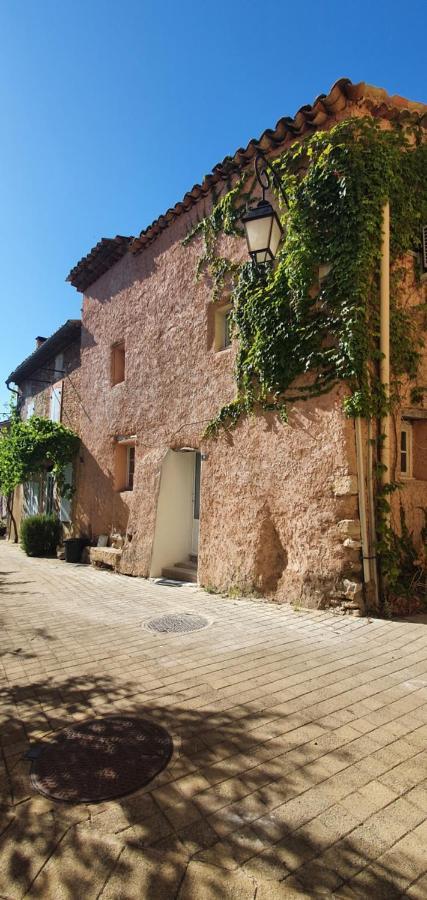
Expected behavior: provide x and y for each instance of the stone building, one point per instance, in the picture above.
(265, 508)
(47, 384)
(3, 500)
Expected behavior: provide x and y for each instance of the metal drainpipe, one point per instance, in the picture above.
(369, 558)
(385, 339)
(371, 503)
(361, 487)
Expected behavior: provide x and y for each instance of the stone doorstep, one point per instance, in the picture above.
(105, 556)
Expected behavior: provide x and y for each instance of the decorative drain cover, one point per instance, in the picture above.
(101, 759)
(177, 623)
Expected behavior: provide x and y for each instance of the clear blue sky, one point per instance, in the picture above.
(111, 111)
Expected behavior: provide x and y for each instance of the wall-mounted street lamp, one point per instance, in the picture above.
(261, 223)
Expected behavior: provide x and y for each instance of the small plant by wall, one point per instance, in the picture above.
(40, 535)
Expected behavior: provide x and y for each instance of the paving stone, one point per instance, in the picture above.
(70, 871)
(204, 882)
(269, 891)
(315, 873)
(376, 881)
(405, 861)
(197, 836)
(152, 876)
(299, 768)
(418, 890)
(25, 848)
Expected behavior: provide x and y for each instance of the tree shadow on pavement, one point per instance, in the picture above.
(241, 808)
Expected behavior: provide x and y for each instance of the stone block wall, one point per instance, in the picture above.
(273, 496)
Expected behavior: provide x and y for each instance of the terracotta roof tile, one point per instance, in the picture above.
(307, 119)
(107, 252)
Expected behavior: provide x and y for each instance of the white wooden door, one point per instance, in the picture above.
(196, 505)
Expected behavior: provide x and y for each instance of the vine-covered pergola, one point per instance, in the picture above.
(30, 448)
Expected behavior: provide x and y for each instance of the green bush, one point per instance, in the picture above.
(3, 528)
(40, 535)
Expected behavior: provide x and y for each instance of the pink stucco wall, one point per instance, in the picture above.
(268, 509)
(273, 519)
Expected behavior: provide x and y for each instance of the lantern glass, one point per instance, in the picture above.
(276, 235)
(263, 232)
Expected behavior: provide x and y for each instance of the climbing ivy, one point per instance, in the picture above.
(403, 564)
(32, 447)
(224, 219)
(297, 337)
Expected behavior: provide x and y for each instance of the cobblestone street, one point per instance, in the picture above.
(299, 765)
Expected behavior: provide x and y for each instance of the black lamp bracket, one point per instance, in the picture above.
(266, 173)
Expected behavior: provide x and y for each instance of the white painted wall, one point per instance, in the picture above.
(174, 521)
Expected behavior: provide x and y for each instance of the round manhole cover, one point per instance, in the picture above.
(101, 759)
(177, 623)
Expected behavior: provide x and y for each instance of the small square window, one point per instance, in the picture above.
(406, 450)
(223, 328)
(117, 363)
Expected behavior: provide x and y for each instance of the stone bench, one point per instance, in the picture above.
(105, 556)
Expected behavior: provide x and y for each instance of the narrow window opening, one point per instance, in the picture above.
(223, 328)
(117, 363)
(124, 464)
(59, 365)
(424, 249)
(227, 329)
(56, 402)
(406, 450)
(130, 467)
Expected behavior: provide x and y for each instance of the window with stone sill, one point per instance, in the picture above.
(124, 465)
(223, 339)
(412, 447)
(117, 363)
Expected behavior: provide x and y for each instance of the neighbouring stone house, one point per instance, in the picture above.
(3, 500)
(47, 384)
(264, 507)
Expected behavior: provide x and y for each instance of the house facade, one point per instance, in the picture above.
(264, 508)
(47, 385)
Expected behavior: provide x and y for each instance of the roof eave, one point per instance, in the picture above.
(307, 119)
(61, 338)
